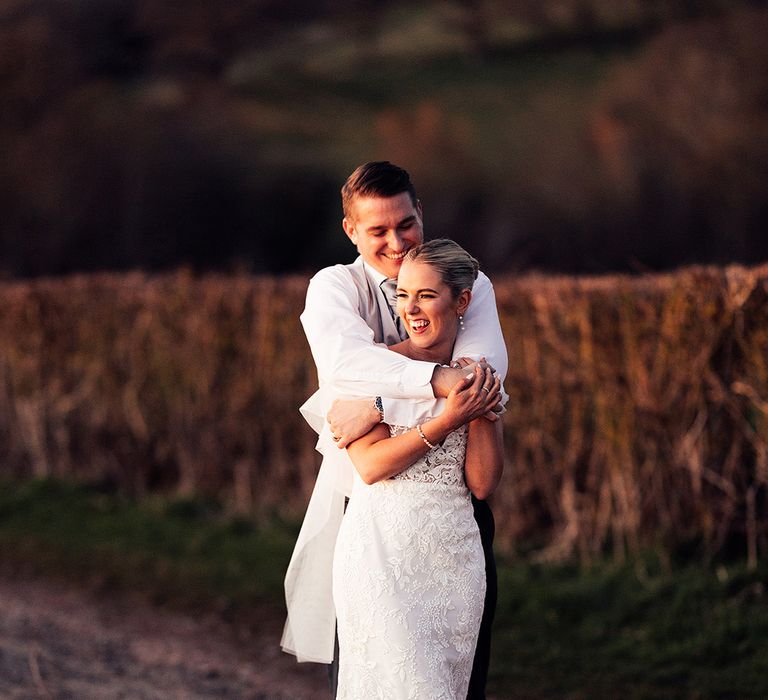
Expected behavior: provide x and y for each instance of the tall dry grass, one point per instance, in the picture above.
(638, 413)
(169, 382)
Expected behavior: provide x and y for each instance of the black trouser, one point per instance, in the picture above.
(333, 668)
(487, 527)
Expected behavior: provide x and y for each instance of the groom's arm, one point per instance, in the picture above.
(349, 360)
(344, 350)
(345, 353)
(480, 337)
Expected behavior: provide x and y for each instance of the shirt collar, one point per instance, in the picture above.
(374, 274)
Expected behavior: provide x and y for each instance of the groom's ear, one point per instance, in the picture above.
(349, 229)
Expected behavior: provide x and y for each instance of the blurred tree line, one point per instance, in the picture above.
(157, 134)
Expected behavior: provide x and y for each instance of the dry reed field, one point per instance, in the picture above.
(638, 411)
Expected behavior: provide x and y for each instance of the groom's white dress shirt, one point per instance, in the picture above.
(348, 324)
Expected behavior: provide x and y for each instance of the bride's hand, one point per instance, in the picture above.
(472, 397)
(469, 364)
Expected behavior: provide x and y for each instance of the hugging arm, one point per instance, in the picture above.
(378, 456)
(344, 349)
(347, 357)
(350, 419)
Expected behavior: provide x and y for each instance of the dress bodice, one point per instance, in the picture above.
(443, 464)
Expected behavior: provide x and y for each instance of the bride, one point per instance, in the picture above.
(408, 568)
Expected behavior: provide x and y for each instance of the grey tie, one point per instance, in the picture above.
(389, 287)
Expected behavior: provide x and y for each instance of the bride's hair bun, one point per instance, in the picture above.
(457, 268)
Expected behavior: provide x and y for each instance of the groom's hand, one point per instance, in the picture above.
(352, 418)
(445, 378)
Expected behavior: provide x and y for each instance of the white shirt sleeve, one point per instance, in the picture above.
(352, 364)
(482, 336)
(344, 350)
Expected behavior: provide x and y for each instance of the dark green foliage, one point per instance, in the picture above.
(632, 631)
(182, 551)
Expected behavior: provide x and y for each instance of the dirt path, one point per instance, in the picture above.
(57, 641)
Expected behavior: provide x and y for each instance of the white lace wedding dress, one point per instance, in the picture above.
(409, 582)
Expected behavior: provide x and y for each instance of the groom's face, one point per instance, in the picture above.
(384, 229)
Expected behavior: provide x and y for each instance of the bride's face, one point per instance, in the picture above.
(427, 306)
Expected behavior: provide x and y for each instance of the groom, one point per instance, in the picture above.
(350, 308)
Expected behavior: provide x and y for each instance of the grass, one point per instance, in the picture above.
(180, 551)
(632, 631)
(637, 630)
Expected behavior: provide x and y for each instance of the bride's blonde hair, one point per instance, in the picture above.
(457, 268)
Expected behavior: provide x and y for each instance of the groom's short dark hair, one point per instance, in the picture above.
(376, 179)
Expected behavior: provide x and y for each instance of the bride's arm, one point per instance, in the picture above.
(484, 462)
(378, 456)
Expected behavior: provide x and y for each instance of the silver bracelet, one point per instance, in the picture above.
(424, 437)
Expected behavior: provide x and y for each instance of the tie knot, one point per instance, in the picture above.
(389, 287)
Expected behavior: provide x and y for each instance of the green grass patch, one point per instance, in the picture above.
(632, 631)
(636, 630)
(185, 552)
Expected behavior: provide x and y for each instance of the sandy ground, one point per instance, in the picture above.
(58, 641)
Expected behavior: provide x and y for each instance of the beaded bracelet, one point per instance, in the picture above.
(424, 437)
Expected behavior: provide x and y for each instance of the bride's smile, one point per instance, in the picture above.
(429, 310)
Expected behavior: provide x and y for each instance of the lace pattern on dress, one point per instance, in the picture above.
(409, 582)
(442, 464)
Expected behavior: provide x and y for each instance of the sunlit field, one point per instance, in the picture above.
(636, 416)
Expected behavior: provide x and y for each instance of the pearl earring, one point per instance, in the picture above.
(461, 322)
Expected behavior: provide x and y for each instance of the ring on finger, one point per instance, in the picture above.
(336, 438)
(485, 388)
